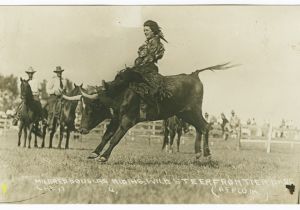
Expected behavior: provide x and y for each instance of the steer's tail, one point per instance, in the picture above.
(214, 68)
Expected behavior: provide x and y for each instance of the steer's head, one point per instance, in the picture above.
(93, 112)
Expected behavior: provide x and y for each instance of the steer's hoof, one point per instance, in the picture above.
(93, 155)
(198, 155)
(208, 157)
(102, 159)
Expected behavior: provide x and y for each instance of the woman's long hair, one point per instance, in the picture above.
(155, 28)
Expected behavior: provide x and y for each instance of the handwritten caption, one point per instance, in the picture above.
(217, 186)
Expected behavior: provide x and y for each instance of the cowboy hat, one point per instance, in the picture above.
(30, 70)
(58, 69)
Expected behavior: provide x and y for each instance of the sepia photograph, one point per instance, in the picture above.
(149, 104)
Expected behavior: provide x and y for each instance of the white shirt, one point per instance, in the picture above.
(53, 86)
(234, 121)
(35, 86)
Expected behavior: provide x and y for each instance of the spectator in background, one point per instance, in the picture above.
(282, 127)
(206, 117)
(253, 122)
(234, 123)
(224, 126)
(249, 121)
(55, 88)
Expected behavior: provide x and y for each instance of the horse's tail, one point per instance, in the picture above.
(214, 68)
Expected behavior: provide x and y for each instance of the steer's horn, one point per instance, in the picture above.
(72, 98)
(89, 96)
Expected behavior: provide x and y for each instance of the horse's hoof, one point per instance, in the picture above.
(29, 147)
(93, 155)
(102, 159)
(66, 147)
(198, 155)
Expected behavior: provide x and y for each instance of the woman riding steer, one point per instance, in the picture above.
(150, 84)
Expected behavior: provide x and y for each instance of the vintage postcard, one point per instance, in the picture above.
(140, 104)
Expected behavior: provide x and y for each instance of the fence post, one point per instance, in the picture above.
(269, 138)
(239, 134)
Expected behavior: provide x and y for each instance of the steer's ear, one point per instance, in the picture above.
(21, 79)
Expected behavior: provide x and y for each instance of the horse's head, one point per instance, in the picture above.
(26, 93)
(75, 91)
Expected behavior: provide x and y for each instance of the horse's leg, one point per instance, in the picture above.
(31, 126)
(166, 139)
(25, 135)
(125, 125)
(111, 129)
(179, 133)
(35, 135)
(21, 127)
(52, 132)
(44, 135)
(61, 135)
(172, 136)
(67, 138)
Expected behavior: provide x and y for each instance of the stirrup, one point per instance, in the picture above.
(143, 115)
(111, 111)
(143, 110)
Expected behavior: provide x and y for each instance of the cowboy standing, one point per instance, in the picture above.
(35, 88)
(55, 89)
(234, 123)
(225, 126)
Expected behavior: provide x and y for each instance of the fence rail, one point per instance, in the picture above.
(268, 135)
(5, 125)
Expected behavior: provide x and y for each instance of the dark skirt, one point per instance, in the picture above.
(153, 85)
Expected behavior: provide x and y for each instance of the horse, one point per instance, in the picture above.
(30, 114)
(172, 126)
(185, 102)
(66, 118)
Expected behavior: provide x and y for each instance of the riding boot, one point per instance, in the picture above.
(157, 108)
(16, 119)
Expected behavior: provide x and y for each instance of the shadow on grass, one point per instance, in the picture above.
(63, 149)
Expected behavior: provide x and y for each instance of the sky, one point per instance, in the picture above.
(92, 43)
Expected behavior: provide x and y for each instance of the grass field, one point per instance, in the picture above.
(141, 173)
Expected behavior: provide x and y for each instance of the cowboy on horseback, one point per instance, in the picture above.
(150, 87)
(55, 88)
(35, 88)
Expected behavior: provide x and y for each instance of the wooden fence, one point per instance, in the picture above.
(268, 135)
(4, 126)
(146, 130)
